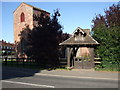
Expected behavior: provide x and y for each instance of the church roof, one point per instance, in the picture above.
(88, 40)
(32, 7)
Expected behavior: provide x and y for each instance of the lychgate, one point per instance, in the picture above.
(80, 49)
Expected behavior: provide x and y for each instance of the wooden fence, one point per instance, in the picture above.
(18, 61)
(31, 62)
(97, 61)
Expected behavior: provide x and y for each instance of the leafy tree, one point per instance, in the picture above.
(42, 42)
(111, 17)
(106, 30)
(23, 47)
(46, 39)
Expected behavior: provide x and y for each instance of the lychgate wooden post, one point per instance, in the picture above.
(68, 57)
(80, 49)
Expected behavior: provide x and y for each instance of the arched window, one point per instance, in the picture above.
(22, 17)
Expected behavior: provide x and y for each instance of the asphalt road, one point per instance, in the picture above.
(13, 78)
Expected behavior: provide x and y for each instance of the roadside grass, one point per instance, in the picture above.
(108, 68)
(31, 65)
(28, 65)
(10, 60)
(62, 68)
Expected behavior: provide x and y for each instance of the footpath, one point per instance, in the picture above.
(81, 73)
(75, 73)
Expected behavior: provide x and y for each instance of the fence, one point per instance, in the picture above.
(97, 61)
(63, 62)
(19, 62)
(28, 62)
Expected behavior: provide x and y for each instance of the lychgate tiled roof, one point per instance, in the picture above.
(87, 39)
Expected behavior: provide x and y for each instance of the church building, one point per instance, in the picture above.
(79, 47)
(23, 16)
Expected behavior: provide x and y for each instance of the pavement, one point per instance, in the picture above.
(79, 73)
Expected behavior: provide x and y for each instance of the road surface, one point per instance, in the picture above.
(13, 78)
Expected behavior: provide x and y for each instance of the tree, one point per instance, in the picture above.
(23, 46)
(106, 31)
(42, 42)
(111, 17)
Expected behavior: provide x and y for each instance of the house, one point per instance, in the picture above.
(6, 48)
(80, 49)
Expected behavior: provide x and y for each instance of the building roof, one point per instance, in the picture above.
(32, 7)
(78, 28)
(4, 43)
(88, 40)
(87, 31)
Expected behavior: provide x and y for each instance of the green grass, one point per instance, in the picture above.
(31, 65)
(107, 68)
(62, 68)
(20, 64)
(11, 60)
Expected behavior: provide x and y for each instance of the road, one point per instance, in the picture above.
(13, 78)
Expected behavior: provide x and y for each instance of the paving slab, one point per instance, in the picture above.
(82, 73)
(85, 73)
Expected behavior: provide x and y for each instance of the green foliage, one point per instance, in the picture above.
(42, 43)
(45, 40)
(109, 39)
(0, 52)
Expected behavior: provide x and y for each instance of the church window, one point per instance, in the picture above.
(22, 17)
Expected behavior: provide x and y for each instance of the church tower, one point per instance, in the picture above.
(23, 16)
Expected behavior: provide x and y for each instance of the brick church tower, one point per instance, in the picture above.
(23, 16)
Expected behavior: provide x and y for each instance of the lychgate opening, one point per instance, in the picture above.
(80, 49)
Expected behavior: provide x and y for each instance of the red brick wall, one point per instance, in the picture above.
(28, 12)
(18, 25)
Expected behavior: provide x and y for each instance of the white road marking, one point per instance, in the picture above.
(47, 86)
(75, 76)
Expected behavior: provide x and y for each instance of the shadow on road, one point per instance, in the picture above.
(17, 72)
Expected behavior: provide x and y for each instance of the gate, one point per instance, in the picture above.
(83, 63)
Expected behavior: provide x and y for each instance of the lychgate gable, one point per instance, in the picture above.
(80, 47)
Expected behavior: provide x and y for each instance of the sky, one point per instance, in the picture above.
(73, 14)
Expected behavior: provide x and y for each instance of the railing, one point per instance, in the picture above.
(31, 62)
(97, 61)
(63, 62)
(18, 61)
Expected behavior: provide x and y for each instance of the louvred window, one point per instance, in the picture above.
(22, 17)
